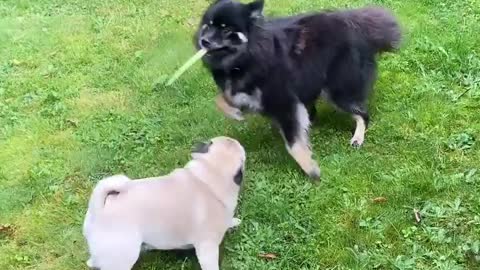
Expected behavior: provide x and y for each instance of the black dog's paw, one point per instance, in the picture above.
(356, 142)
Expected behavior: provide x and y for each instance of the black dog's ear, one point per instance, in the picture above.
(201, 148)
(256, 8)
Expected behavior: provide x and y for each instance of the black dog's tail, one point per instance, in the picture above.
(378, 25)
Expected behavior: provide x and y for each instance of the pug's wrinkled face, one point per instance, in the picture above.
(222, 144)
(224, 30)
(229, 152)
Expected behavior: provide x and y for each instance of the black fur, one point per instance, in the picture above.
(297, 59)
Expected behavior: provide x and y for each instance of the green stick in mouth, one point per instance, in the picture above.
(186, 66)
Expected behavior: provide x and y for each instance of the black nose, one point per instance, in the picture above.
(205, 43)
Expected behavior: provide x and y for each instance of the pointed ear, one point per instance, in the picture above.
(256, 8)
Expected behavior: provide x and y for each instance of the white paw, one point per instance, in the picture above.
(357, 141)
(314, 173)
(235, 114)
(235, 222)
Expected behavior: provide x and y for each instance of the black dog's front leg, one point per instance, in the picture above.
(222, 104)
(294, 123)
(227, 109)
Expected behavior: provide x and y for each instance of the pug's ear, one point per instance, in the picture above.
(255, 8)
(201, 148)
(238, 178)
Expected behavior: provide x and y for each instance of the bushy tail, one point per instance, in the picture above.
(378, 25)
(116, 183)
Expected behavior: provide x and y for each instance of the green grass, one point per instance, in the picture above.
(77, 104)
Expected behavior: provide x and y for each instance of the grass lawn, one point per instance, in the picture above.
(77, 104)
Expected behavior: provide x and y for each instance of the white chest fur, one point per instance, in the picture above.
(251, 102)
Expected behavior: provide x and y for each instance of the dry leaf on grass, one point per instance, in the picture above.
(16, 62)
(192, 22)
(418, 218)
(379, 200)
(72, 122)
(268, 256)
(6, 229)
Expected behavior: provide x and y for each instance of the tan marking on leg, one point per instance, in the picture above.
(300, 149)
(302, 154)
(359, 135)
(228, 110)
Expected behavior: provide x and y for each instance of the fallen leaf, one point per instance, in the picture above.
(418, 218)
(6, 229)
(192, 22)
(380, 200)
(73, 122)
(268, 256)
(15, 62)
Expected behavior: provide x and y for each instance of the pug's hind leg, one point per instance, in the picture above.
(208, 255)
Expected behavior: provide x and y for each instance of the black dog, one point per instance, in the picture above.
(279, 67)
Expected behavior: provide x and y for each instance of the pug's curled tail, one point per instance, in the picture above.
(116, 183)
